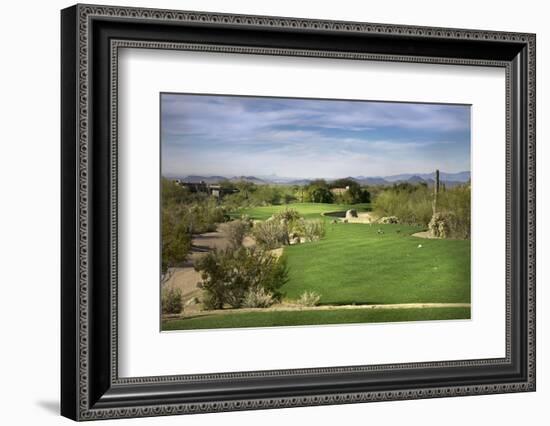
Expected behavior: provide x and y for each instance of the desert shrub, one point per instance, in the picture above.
(448, 225)
(388, 219)
(248, 194)
(286, 215)
(410, 204)
(204, 217)
(171, 301)
(257, 298)
(313, 230)
(309, 299)
(237, 230)
(173, 193)
(236, 201)
(441, 224)
(228, 275)
(271, 234)
(210, 301)
(413, 204)
(286, 226)
(267, 195)
(176, 240)
(456, 201)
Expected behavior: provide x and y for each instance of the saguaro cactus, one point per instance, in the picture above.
(436, 192)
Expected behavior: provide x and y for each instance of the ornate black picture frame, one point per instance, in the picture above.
(91, 37)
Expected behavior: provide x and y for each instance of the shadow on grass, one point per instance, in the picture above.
(352, 303)
(188, 317)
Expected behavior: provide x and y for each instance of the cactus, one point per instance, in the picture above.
(436, 192)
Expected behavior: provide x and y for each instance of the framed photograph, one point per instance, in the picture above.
(263, 212)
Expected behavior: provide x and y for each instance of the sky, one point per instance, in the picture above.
(230, 136)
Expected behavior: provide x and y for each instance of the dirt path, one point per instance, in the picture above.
(294, 308)
(186, 278)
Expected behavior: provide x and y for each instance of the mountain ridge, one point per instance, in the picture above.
(450, 179)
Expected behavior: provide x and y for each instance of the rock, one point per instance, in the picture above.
(192, 301)
(295, 240)
(351, 213)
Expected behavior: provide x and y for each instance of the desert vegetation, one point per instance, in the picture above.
(317, 245)
(413, 204)
(231, 276)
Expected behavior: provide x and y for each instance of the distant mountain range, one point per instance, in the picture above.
(218, 179)
(449, 179)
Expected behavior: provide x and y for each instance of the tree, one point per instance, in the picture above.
(321, 195)
(318, 191)
(173, 193)
(176, 241)
(354, 194)
(246, 188)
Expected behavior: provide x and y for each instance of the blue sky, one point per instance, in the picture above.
(310, 138)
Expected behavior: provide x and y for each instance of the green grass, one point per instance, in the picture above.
(307, 210)
(356, 264)
(337, 316)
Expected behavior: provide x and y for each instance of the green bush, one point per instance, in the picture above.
(171, 301)
(228, 275)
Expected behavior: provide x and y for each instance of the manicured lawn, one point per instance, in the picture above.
(337, 316)
(359, 264)
(307, 210)
(356, 264)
